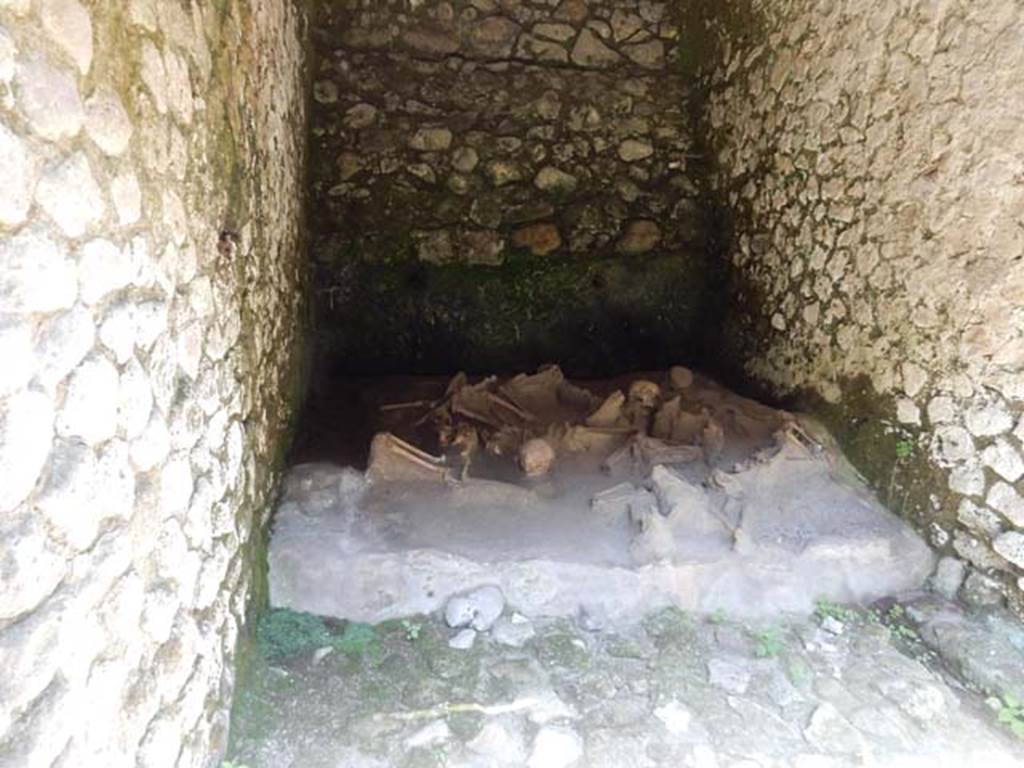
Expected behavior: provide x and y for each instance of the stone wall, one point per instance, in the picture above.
(151, 307)
(871, 155)
(478, 132)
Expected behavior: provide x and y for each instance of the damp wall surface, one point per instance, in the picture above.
(152, 301)
(870, 154)
(501, 184)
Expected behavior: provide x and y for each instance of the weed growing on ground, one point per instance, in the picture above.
(412, 630)
(1010, 713)
(769, 644)
(826, 608)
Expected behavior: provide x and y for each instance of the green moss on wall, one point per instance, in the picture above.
(592, 316)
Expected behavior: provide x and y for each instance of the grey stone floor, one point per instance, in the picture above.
(845, 687)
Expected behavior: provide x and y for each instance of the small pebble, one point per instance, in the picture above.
(463, 640)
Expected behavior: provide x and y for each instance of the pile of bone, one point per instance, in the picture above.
(533, 420)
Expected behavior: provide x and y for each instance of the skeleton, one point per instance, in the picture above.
(641, 453)
(609, 413)
(536, 456)
(393, 459)
(640, 404)
(463, 441)
(712, 437)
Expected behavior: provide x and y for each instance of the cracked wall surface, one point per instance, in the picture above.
(478, 134)
(151, 307)
(870, 153)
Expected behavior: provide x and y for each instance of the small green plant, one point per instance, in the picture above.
(412, 630)
(769, 644)
(1010, 712)
(718, 617)
(283, 633)
(904, 449)
(826, 608)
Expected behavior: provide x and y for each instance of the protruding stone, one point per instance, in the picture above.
(107, 123)
(26, 432)
(555, 747)
(90, 405)
(360, 116)
(493, 37)
(982, 591)
(650, 55)
(49, 100)
(540, 239)
(325, 92)
(948, 577)
(478, 609)
(562, 33)
(434, 246)
(632, 150)
(640, 236)
(68, 24)
(1010, 545)
(36, 274)
(431, 139)
(1005, 499)
(463, 640)
(989, 421)
(17, 169)
(102, 269)
(589, 51)
(503, 172)
(127, 197)
(431, 42)
(481, 247)
(1004, 459)
(572, 11)
(70, 196)
(551, 179)
(465, 159)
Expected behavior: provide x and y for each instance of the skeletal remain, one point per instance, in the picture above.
(575, 397)
(536, 457)
(464, 440)
(579, 439)
(665, 418)
(680, 378)
(654, 539)
(407, 405)
(392, 458)
(609, 413)
(644, 393)
(641, 453)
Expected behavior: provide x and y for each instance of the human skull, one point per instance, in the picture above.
(536, 456)
(644, 393)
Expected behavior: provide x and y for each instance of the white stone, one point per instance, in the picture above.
(83, 490)
(675, 717)
(68, 24)
(431, 139)
(968, 479)
(89, 411)
(32, 570)
(989, 420)
(154, 75)
(555, 747)
(64, 343)
(479, 608)
(8, 53)
(979, 519)
(134, 400)
(26, 432)
(463, 640)
(914, 379)
(1004, 460)
(102, 269)
(941, 410)
(118, 332)
(152, 446)
(730, 676)
(175, 218)
(551, 179)
(17, 169)
(498, 744)
(1011, 546)
(107, 123)
(949, 575)
(189, 345)
(1004, 498)
(515, 630)
(17, 356)
(70, 195)
(178, 87)
(36, 274)
(142, 13)
(907, 411)
(49, 100)
(632, 150)
(431, 735)
(127, 197)
(954, 444)
(175, 487)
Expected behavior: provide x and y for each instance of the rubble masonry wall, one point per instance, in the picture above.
(511, 138)
(870, 153)
(151, 307)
